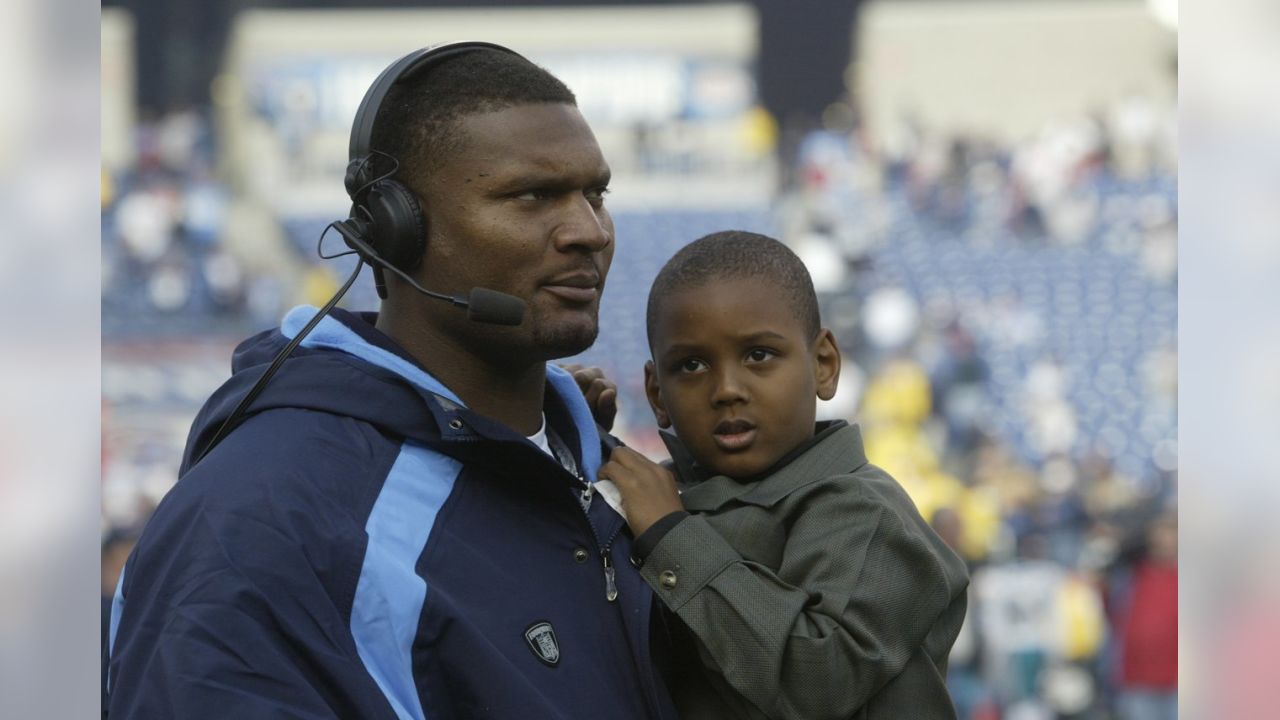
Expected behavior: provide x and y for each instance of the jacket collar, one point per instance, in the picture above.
(355, 334)
(835, 449)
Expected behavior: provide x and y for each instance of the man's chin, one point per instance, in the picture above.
(565, 339)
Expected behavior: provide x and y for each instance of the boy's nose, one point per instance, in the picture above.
(728, 389)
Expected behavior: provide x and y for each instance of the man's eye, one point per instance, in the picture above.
(759, 354)
(533, 195)
(595, 196)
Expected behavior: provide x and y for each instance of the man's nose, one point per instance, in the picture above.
(583, 225)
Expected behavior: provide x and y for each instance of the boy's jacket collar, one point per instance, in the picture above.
(835, 449)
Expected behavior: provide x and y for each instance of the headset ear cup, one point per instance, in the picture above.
(356, 176)
(399, 228)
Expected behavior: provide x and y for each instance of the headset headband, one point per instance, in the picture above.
(405, 68)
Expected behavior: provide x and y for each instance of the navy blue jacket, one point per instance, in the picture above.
(363, 546)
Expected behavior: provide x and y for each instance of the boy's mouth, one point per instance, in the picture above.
(734, 435)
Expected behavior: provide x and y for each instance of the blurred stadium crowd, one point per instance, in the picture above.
(1008, 318)
(1013, 310)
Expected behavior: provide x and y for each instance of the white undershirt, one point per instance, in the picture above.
(540, 438)
(605, 488)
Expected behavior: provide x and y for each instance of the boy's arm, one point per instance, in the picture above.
(857, 591)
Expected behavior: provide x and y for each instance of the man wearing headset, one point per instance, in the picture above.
(403, 524)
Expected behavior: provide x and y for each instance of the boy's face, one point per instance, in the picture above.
(736, 374)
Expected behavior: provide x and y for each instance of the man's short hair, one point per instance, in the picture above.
(417, 123)
(737, 254)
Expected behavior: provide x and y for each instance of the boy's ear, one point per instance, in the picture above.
(826, 364)
(654, 395)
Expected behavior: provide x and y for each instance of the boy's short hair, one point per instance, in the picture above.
(417, 123)
(737, 254)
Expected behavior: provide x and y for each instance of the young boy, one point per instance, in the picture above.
(808, 582)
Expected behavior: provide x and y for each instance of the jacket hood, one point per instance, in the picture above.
(346, 367)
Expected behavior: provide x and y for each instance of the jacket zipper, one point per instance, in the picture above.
(610, 584)
(610, 573)
(584, 497)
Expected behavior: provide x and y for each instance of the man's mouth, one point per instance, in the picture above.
(734, 435)
(578, 288)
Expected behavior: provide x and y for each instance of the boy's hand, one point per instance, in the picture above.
(601, 393)
(648, 489)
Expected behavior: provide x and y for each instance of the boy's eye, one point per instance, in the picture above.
(690, 365)
(759, 354)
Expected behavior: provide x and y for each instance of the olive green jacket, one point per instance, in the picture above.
(815, 592)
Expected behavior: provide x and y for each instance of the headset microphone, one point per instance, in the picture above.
(493, 307)
(482, 304)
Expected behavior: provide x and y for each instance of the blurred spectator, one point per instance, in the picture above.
(1135, 126)
(1015, 604)
(972, 697)
(1050, 417)
(180, 244)
(1060, 511)
(890, 318)
(1041, 626)
(146, 220)
(959, 382)
(1143, 589)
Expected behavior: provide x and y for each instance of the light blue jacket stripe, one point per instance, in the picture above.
(390, 593)
(117, 607)
(567, 388)
(332, 334)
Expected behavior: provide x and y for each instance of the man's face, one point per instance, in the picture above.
(519, 208)
(737, 375)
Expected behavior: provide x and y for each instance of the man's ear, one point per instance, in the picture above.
(826, 364)
(654, 395)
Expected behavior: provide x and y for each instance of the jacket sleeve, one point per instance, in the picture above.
(859, 587)
(229, 613)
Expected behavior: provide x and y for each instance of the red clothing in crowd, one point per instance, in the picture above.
(1150, 639)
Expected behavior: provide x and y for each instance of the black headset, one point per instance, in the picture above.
(386, 216)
